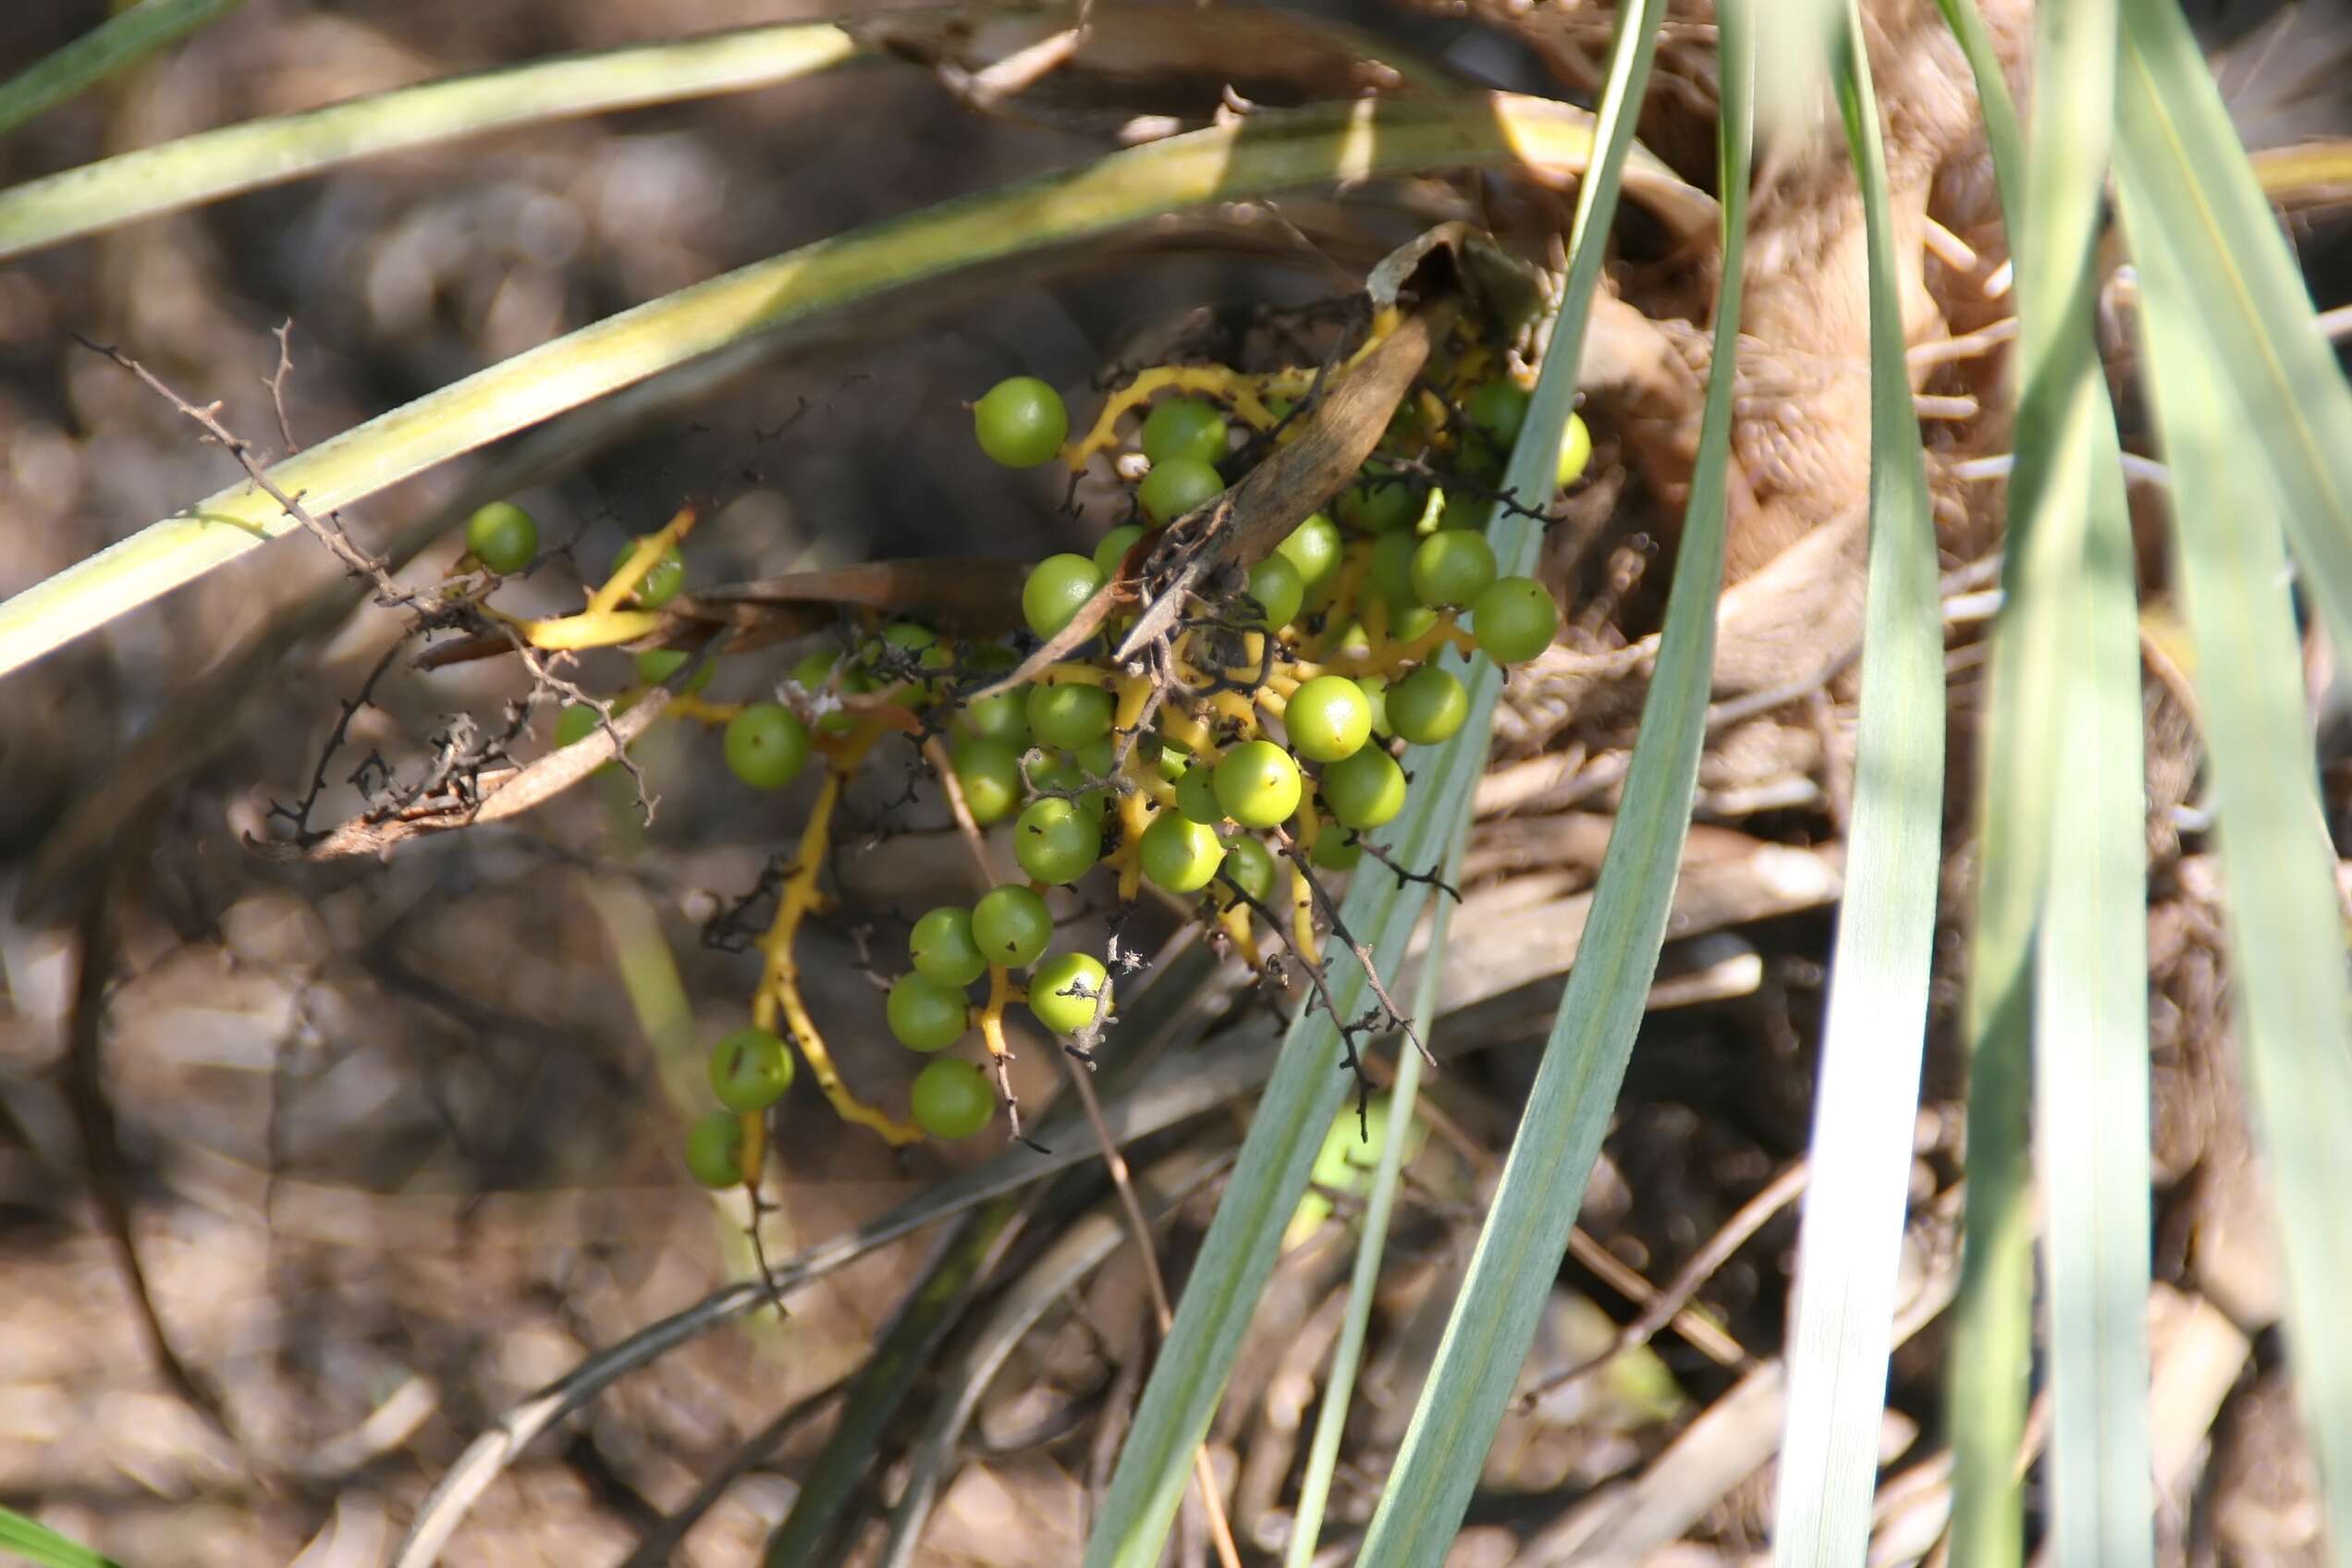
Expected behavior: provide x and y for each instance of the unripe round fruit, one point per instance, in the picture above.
(1004, 716)
(1380, 503)
(662, 581)
(989, 774)
(1057, 588)
(1409, 621)
(943, 950)
(1069, 716)
(1175, 488)
(1111, 554)
(750, 1070)
(1498, 408)
(951, 1098)
(1183, 427)
(657, 664)
(1196, 795)
(1334, 851)
(1250, 865)
(1066, 991)
(1364, 791)
(1452, 567)
(1258, 784)
(925, 1015)
(1178, 854)
(1575, 450)
(766, 746)
(1375, 697)
(1314, 548)
(1021, 422)
(1514, 619)
(502, 538)
(1057, 841)
(1327, 718)
(1429, 705)
(715, 1149)
(1275, 583)
(1011, 926)
(1388, 572)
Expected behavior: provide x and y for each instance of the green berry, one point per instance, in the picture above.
(1175, 488)
(1185, 427)
(1250, 865)
(1196, 796)
(926, 1015)
(952, 1098)
(989, 774)
(766, 746)
(1429, 705)
(1068, 991)
(1408, 621)
(1314, 548)
(1069, 716)
(1389, 572)
(502, 538)
(661, 584)
(1011, 926)
(1057, 841)
(1275, 583)
(1258, 784)
(1178, 854)
(942, 948)
(1575, 450)
(1334, 850)
(714, 1151)
(1380, 504)
(576, 723)
(1452, 567)
(1111, 554)
(1004, 716)
(657, 664)
(1498, 408)
(750, 1070)
(1327, 718)
(1021, 422)
(1514, 619)
(1364, 790)
(1057, 588)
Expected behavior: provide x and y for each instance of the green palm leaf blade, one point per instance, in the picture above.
(123, 39)
(2179, 158)
(1867, 1100)
(2284, 920)
(2058, 959)
(1517, 1258)
(210, 165)
(37, 1544)
(1268, 152)
(1307, 1089)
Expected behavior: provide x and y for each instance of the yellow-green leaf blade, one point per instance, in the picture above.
(2284, 921)
(2178, 157)
(1268, 152)
(1865, 1104)
(210, 165)
(121, 40)
(1517, 1258)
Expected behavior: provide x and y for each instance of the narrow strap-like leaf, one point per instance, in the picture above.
(1866, 1102)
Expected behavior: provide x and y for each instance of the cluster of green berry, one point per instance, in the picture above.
(1275, 730)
